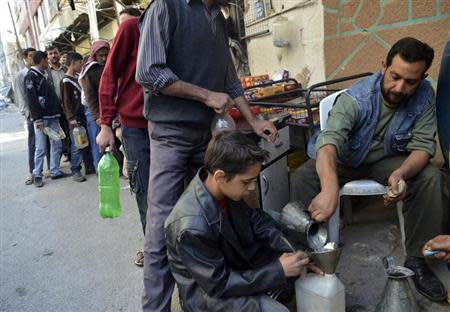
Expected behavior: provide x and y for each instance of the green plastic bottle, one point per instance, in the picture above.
(109, 186)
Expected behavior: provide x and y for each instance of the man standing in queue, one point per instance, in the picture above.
(185, 66)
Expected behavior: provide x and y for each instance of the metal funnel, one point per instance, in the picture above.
(326, 260)
(398, 295)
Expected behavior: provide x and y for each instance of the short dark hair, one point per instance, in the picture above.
(51, 47)
(411, 50)
(131, 11)
(73, 56)
(38, 56)
(27, 51)
(233, 152)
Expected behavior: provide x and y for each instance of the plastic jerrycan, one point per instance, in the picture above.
(316, 293)
(109, 186)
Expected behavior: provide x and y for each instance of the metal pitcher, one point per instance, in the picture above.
(398, 295)
(296, 217)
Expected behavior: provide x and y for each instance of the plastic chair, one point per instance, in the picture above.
(363, 187)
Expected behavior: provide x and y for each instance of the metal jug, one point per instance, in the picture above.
(398, 295)
(296, 217)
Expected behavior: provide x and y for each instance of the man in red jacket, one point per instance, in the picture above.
(119, 93)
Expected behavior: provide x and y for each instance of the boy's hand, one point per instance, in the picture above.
(293, 263)
(105, 138)
(39, 124)
(73, 123)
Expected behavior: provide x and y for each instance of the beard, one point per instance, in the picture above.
(394, 98)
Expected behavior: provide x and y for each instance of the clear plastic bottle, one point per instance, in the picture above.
(53, 135)
(109, 186)
(80, 137)
(222, 122)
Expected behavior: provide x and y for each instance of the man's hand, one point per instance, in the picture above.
(393, 181)
(323, 205)
(39, 124)
(98, 122)
(219, 101)
(293, 263)
(441, 242)
(105, 138)
(262, 126)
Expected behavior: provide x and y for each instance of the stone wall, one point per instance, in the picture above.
(358, 33)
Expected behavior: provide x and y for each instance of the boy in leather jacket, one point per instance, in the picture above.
(224, 255)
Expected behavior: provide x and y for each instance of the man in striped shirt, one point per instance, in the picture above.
(186, 70)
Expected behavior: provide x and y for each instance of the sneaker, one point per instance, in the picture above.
(29, 180)
(38, 182)
(139, 260)
(60, 175)
(47, 174)
(78, 177)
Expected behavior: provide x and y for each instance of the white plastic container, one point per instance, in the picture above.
(316, 293)
(281, 32)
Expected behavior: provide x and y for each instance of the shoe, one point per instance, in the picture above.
(425, 280)
(38, 182)
(139, 261)
(60, 175)
(89, 171)
(29, 180)
(47, 174)
(78, 177)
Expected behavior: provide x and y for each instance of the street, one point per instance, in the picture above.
(57, 254)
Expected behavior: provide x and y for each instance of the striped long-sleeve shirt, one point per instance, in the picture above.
(152, 71)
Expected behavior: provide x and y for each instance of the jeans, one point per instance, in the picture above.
(177, 153)
(93, 130)
(41, 146)
(137, 149)
(32, 147)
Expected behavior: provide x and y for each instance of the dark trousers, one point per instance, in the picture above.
(137, 149)
(32, 147)
(423, 207)
(177, 153)
(66, 142)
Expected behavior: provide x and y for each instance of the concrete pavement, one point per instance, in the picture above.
(57, 254)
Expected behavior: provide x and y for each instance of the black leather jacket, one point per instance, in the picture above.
(42, 99)
(222, 263)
